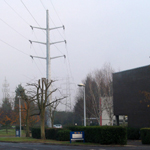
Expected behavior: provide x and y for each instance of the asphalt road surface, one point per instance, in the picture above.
(37, 146)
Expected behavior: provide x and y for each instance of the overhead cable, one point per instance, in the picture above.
(14, 47)
(43, 5)
(30, 13)
(56, 12)
(14, 29)
(17, 13)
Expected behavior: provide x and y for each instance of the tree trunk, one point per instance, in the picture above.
(7, 129)
(27, 124)
(42, 116)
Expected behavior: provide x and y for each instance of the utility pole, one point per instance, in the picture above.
(48, 58)
(48, 72)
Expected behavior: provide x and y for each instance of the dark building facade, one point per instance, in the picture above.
(127, 97)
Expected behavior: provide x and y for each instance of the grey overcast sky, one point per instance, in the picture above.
(97, 32)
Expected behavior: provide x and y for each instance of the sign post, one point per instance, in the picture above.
(77, 135)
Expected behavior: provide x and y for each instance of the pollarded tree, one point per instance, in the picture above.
(41, 94)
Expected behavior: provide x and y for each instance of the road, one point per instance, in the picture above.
(38, 146)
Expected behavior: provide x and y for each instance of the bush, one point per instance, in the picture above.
(51, 133)
(103, 134)
(113, 135)
(18, 128)
(133, 133)
(63, 135)
(36, 133)
(145, 135)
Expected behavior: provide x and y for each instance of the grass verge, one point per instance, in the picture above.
(11, 132)
(32, 140)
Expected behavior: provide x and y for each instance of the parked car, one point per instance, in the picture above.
(57, 126)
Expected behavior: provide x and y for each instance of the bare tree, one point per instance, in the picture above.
(98, 87)
(103, 78)
(41, 98)
(108, 106)
(51, 111)
(96, 108)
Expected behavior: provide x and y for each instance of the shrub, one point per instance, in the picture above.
(18, 127)
(145, 135)
(51, 133)
(103, 134)
(133, 133)
(113, 135)
(36, 133)
(63, 135)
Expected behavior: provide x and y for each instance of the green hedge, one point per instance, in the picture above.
(113, 135)
(133, 133)
(51, 133)
(93, 134)
(63, 135)
(145, 135)
(18, 128)
(103, 134)
(36, 133)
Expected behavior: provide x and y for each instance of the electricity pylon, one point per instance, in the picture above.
(5, 89)
(48, 58)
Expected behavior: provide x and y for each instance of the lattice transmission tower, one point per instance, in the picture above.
(5, 89)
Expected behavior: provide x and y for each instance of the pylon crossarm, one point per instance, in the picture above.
(57, 27)
(37, 57)
(58, 57)
(58, 42)
(37, 28)
(37, 42)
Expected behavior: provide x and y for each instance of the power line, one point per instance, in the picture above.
(69, 62)
(17, 13)
(43, 5)
(14, 47)
(19, 34)
(38, 68)
(38, 59)
(56, 12)
(57, 29)
(19, 51)
(30, 13)
(14, 29)
(37, 40)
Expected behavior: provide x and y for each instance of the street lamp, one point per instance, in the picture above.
(82, 85)
(20, 114)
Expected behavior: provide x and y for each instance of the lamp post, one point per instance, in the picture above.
(20, 114)
(82, 85)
